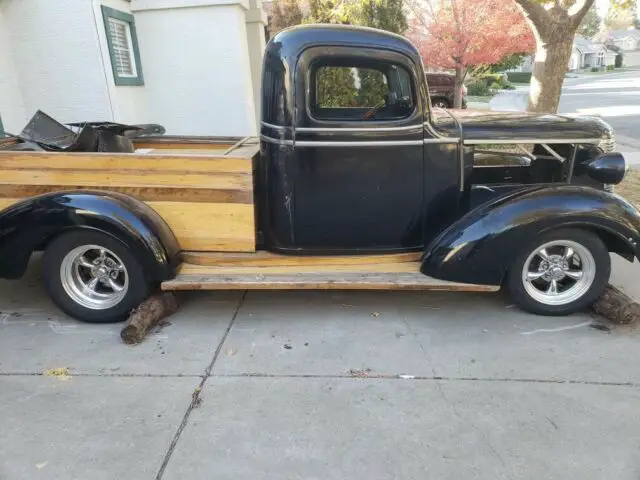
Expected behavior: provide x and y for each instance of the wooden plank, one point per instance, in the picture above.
(202, 226)
(210, 227)
(7, 202)
(336, 281)
(106, 178)
(145, 194)
(173, 162)
(178, 145)
(208, 152)
(178, 141)
(265, 259)
(406, 267)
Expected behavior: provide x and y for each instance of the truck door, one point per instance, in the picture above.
(358, 151)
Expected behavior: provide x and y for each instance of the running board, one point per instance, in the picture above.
(198, 277)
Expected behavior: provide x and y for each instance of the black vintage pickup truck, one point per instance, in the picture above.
(358, 183)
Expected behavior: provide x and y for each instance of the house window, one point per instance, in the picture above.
(123, 47)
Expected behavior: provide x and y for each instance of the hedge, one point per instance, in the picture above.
(519, 77)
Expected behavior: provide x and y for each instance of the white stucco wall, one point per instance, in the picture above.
(11, 107)
(196, 66)
(201, 61)
(57, 58)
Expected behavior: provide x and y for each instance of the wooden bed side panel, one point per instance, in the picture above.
(210, 227)
(207, 201)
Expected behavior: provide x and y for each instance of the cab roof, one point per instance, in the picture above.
(297, 39)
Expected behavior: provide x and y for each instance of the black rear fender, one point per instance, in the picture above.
(31, 224)
(482, 245)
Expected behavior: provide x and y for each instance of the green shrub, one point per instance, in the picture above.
(595, 69)
(509, 86)
(495, 86)
(491, 78)
(610, 68)
(519, 77)
(478, 88)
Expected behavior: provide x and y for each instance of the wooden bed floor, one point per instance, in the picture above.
(266, 271)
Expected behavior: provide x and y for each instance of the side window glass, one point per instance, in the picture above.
(353, 92)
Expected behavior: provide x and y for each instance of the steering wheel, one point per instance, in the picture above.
(369, 114)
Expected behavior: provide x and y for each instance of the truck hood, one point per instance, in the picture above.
(489, 126)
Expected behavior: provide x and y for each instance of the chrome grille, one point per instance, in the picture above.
(607, 144)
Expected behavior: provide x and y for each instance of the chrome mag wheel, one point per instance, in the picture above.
(558, 272)
(94, 277)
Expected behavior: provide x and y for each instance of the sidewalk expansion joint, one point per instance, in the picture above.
(105, 374)
(403, 377)
(195, 397)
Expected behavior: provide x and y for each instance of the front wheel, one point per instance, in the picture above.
(563, 272)
(92, 277)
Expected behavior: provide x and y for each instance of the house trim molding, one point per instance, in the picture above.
(145, 5)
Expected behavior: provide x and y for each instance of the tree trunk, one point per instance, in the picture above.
(461, 72)
(549, 68)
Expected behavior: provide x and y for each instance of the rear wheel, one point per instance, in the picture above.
(561, 273)
(92, 277)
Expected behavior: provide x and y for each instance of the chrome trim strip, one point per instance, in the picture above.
(382, 143)
(529, 141)
(372, 143)
(363, 129)
(441, 140)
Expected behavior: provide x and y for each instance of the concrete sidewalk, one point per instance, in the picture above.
(318, 385)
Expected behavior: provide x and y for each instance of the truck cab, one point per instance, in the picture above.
(356, 182)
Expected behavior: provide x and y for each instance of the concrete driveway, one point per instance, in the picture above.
(318, 385)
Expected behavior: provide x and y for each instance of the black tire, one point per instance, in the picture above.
(601, 260)
(138, 288)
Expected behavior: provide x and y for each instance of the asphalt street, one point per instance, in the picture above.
(613, 96)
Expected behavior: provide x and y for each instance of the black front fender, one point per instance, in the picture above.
(29, 224)
(483, 244)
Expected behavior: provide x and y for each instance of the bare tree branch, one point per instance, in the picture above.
(535, 11)
(577, 17)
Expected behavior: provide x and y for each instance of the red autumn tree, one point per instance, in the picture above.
(458, 34)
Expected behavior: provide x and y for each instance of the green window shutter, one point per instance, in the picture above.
(124, 52)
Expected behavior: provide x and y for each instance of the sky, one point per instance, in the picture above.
(602, 6)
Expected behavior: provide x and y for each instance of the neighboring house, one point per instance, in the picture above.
(628, 41)
(585, 54)
(588, 54)
(193, 66)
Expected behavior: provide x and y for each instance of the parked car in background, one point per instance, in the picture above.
(442, 90)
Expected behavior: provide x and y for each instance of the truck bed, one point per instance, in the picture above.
(202, 187)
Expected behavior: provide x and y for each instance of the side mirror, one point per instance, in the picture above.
(608, 168)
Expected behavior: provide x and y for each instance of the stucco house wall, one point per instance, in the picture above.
(200, 61)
